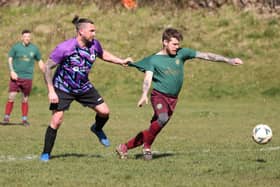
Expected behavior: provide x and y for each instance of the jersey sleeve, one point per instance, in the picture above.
(57, 55)
(12, 52)
(98, 48)
(143, 65)
(37, 56)
(187, 53)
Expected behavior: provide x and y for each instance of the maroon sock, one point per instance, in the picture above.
(153, 131)
(137, 140)
(24, 109)
(147, 137)
(9, 108)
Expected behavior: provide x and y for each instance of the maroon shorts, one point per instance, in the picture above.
(21, 85)
(162, 103)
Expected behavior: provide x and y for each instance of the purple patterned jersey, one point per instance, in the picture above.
(74, 64)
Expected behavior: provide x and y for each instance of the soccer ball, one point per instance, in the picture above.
(262, 134)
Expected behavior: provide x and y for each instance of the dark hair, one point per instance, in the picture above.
(78, 22)
(172, 33)
(25, 31)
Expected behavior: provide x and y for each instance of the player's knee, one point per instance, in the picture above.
(56, 121)
(11, 97)
(163, 119)
(104, 113)
(25, 99)
(102, 110)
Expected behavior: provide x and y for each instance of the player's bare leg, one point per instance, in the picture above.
(50, 136)
(102, 116)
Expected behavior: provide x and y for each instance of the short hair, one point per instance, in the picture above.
(171, 33)
(78, 22)
(25, 31)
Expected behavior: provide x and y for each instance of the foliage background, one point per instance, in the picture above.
(208, 140)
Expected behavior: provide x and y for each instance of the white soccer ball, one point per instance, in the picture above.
(262, 134)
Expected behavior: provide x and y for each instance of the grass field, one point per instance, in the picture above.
(208, 140)
(207, 143)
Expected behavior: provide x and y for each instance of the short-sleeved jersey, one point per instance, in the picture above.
(24, 57)
(168, 71)
(74, 64)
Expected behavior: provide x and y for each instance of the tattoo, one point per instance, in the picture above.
(10, 62)
(48, 71)
(146, 86)
(147, 82)
(212, 57)
(11, 67)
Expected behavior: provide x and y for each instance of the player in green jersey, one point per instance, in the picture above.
(22, 57)
(165, 72)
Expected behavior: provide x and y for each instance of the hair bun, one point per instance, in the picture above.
(75, 20)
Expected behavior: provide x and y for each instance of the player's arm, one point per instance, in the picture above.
(50, 64)
(41, 65)
(218, 58)
(108, 57)
(145, 88)
(13, 74)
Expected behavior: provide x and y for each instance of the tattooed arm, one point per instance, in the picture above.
(50, 64)
(13, 74)
(146, 87)
(218, 58)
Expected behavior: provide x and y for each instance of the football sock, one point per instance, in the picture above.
(137, 140)
(145, 137)
(153, 131)
(100, 122)
(24, 118)
(49, 139)
(9, 108)
(24, 108)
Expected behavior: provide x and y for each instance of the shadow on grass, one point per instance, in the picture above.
(77, 155)
(11, 124)
(261, 160)
(155, 155)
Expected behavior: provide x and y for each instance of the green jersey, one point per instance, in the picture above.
(168, 71)
(24, 58)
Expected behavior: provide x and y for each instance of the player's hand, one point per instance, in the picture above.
(127, 61)
(235, 61)
(53, 98)
(143, 100)
(14, 75)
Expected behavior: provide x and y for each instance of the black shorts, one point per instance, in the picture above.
(90, 99)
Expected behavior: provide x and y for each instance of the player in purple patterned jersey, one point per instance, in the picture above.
(74, 59)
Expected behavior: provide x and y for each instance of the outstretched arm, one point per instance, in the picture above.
(218, 58)
(146, 87)
(108, 57)
(50, 64)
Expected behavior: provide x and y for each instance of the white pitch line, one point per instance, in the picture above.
(270, 148)
(8, 158)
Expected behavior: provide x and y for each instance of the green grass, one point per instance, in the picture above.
(205, 144)
(208, 140)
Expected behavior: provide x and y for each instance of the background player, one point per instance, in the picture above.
(22, 57)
